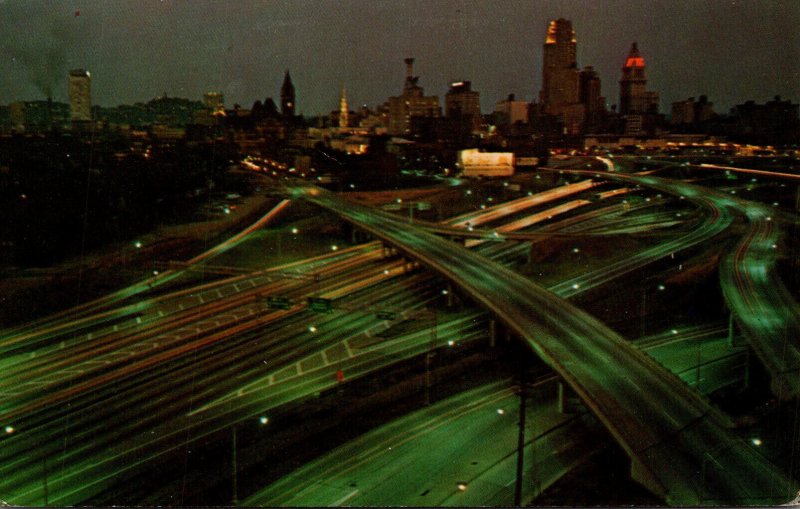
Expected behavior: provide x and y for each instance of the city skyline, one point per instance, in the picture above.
(142, 50)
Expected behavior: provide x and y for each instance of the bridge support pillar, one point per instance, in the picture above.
(492, 333)
(646, 478)
(449, 295)
(748, 360)
(732, 339)
(568, 401)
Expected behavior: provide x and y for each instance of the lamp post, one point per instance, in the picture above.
(428, 358)
(645, 287)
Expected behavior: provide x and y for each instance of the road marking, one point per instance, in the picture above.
(325, 358)
(236, 287)
(347, 348)
(345, 498)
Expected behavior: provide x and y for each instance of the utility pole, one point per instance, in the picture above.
(235, 497)
(46, 494)
(428, 359)
(520, 444)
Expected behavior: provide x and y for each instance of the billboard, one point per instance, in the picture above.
(486, 164)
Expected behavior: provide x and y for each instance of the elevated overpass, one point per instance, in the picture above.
(679, 446)
(756, 295)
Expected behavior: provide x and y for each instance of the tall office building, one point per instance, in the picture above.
(412, 103)
(287, 96)
(589, 96)
(80, 97)
(463, 104)
(634, 98)
(560, 75)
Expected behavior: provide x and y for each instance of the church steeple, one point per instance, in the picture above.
(343, 113)
(287, 96)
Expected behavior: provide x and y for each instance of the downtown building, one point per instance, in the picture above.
(511, 111)
(80, 97)
(288, 105)
(567, 93)
(638, 106)
(463, 105)
(412, 106)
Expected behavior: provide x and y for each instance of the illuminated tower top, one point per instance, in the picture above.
(343, 114)
(634, 65)
(634, 98)
(287, 96)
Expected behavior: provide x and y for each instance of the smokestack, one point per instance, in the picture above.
(409, 68)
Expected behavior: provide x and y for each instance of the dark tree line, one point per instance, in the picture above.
(61, 194)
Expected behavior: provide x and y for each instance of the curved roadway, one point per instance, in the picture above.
(670, 433)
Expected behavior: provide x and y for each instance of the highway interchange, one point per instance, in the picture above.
(100, 395)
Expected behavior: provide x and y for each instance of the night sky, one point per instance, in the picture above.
(731, 50)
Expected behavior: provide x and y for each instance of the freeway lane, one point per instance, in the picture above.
(420, 459)
(665, 428)
(97, 311)
(471, 437)
(154, 399)
(761, 303)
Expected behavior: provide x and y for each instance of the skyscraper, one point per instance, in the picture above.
(589, 95)
(80, 98)
(634, 98)
(287, 96)
(560, 75)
